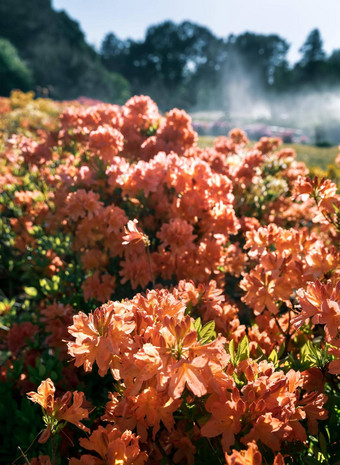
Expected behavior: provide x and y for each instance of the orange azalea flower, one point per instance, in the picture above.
(238, 136)
(322, 190)
(135, 270)
(260, 290)
(19, 334)
(331, 317)
(82, 203)
(184, 447)
(334, 366)
(268, 144)
(175, 132)
(279, 460)
(313, 406)
(100, 337)
(272, 280)
(94, 259)
(113, 447)
(195, 374)
(226, 412)
(263, 430)
(133, 235)
(41, 460)
(251, 456)
(56, 318)
(320, 302)
(72, 413)
(152, 407)
(178, 235)
(303, 187)
(44, 396)
(177, 336)
(60, 409)
(327, 194)
(99, 286)
(106, 141)
(313, 380)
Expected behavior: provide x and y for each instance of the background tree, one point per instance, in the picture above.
(312, 50)
(55, 49)
(259, 54)
(183, 65)
(14, 72)
(333, 67)
(311, 70)
(171, 64)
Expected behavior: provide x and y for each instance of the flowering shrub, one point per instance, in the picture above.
(163, 303)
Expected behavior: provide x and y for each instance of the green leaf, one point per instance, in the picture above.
(232, 352)
(336, 209)
(204, 419)
(188, 309)
(311, 349)
(311, 461)
(273, 357)
(31, 291)
(198, 325)
(281, 350)
(323, 444)
(243, 351)
(42, 371)
(207, 333)
(259, 352)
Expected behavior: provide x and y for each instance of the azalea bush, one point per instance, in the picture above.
(160, 302)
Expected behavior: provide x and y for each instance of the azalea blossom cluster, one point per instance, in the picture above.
(320, 304)
(160, 358)
(164, 303)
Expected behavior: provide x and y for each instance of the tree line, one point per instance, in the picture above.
(186, 64)
(183, 65)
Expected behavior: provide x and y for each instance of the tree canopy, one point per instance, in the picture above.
(183, 65)
(186, 64)
(14, 72)
(55, 50)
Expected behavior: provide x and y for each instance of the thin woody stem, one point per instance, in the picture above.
(286, 334)
(24, 455)
(54, 459)
(278, 325)
(214, 451)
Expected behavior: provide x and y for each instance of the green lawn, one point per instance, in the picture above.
(311, 155)
(206, 141)
(315, 156)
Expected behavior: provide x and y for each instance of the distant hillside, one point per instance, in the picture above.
(54, 48)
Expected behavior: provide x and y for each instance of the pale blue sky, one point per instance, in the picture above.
(291, 19)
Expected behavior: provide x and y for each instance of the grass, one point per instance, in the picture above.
(206, 141)
(313, 156)
(319, 157)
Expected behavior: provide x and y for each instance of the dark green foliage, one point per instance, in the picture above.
(56, 51)
(183, 65)
(13, 71)
(312, 49)
(171, 62)
(186, 65)
(260, 54)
